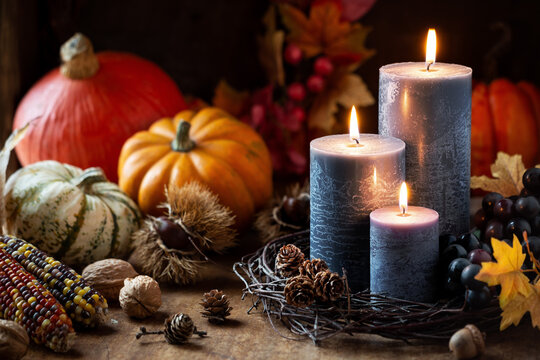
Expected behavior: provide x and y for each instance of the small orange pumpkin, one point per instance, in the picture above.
(505, 117)
(209, 146)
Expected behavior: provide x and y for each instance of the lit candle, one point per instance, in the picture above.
(404, 250)
(428, 106)
(349, 177)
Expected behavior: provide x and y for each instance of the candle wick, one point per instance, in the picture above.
(429, 64)
(357, 142)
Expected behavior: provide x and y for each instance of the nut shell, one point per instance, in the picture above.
(107, 276)
(13, 340)
(140, 297)
(467, 343)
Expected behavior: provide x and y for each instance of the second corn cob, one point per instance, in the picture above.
(24, 300)
(83, 304)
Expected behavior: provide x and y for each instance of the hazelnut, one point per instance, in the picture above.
(467, 343)
(107, 276)
(13, 340)
(140, 297)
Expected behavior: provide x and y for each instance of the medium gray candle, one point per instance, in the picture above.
(431, 112)
(347, 182)
(404, 252)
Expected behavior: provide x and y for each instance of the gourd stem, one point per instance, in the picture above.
(88, 177)
(78, 58)
(182, 142)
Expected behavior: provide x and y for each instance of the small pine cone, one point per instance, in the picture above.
(288, 260)
(329, 286)
(311, 268)
(216, 306)
(178, 328)
(299, 291)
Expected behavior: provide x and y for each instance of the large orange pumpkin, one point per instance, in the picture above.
(505, 117)
(210, 147)
(86, 109)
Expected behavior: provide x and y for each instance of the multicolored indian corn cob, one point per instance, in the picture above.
(24, 300)
(83, 304)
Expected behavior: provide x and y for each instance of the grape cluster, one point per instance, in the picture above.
(500, 218)
(460, 261)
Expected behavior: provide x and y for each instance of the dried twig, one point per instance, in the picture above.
(362, 312)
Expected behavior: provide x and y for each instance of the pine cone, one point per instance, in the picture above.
(329, 286)
(178, 328)
(288, 259)
(311, 268)
(216, 306)
(299, 291)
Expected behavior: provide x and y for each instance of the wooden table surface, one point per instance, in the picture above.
(252, 337)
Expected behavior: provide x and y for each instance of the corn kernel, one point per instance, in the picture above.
(65, 291)
(95, 297)
(63, 317)
(77, 299)
(52, 282)
(88, 307)
(45, 323)
(68, 282)
(47, 267)
(32, 300)
(46, 277)
(68, 304)
(27, 253)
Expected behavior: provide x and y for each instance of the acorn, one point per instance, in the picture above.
(467, 343)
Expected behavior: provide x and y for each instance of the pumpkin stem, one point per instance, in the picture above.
(78, 58)
(89, 177)
(182, 142)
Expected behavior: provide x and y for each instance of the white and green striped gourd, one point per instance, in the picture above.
(75, 215)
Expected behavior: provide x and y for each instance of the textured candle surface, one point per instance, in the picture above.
(404, 251)
(347, 182)
(431, 112)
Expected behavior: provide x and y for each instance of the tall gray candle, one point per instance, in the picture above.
(431, 112)
(404, 251)
(347, 182)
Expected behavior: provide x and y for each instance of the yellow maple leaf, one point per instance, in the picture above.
(507, 172)
(506, 271)
(519, 305)
(325, 32)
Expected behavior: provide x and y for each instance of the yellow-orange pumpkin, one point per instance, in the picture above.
(209, 146)
(505, 117)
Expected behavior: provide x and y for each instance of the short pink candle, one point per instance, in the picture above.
(404, 251)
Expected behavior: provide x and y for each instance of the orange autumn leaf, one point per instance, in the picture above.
(506, 271)
(519, 305)
(229, 99)
(506, 171)
(324, 32)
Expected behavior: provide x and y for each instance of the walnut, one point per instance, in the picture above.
(140, 297)
(13, 340)
(107, 276)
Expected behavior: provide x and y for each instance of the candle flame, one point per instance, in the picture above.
(431, 48)
(354, 133)
(403, 198)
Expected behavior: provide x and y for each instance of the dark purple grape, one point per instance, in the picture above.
(487, 248)
(502, 209)
(479, 298)
(524, 193)
(480, 219)
(454, 287)
(531, 180)
(456, 267)
(535, 225)
(452, 252)
(489, 201)
(469, 241)
(468, 280)
(445, 240)
(513, 198)
(534, 246)
(527, 207)
(517, 226)
(494, 229)
(479, 256)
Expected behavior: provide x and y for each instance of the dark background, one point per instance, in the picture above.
(199, 42)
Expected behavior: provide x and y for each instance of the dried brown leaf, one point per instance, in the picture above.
(507, 172)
